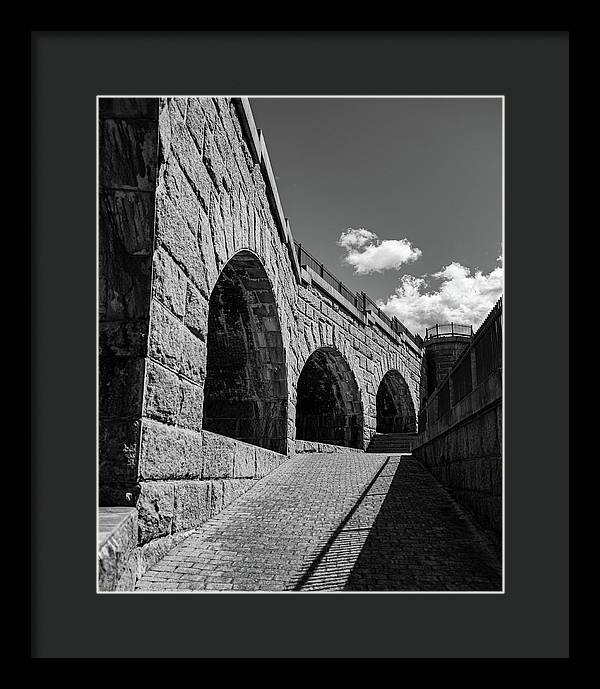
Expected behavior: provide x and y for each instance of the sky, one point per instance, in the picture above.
(399, 197)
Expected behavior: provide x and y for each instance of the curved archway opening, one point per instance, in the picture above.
(395, 408)
(328, 408)
(245, 393)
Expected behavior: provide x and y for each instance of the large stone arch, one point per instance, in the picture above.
(245, 393)
(328, 401)
(395, 409)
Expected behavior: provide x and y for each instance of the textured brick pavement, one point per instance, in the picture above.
(335, 522)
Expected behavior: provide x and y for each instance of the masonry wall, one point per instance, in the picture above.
(208, 195)
(128, 134)
(463, 450)
(370, 352)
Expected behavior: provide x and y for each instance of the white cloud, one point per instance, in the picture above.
(463, 295)
(367, 254)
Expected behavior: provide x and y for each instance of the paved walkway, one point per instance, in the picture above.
(321, 522)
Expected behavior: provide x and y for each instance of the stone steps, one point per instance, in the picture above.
(392, 443)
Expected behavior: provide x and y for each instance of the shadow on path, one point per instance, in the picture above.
(406, 533)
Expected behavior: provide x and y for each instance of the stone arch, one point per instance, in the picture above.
(328, 405)
(394, 405)
(245, 393)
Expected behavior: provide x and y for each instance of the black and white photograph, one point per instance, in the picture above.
(300, 344)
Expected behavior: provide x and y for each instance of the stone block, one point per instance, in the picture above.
(169, 283)
(216, 498)
(118, 445)
(488, 432)
(128, 153)
(124, 281)
(244, 461)
(121, 384)
(129, 216)
(266, 461)
(189, 158)
(193, 356)
(219, 454)
(123, 338)
(162, 400)
(128, 578)
(155, 505)
(196, 313)
(169, 452)
(192, 504)
(165, 340)
(174, 234)
(196, 121)
(178, 189)
(119, 534)
(191, 400)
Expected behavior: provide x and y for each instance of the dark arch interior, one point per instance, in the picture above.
(395, 409)
(245, 394)
(328, 408)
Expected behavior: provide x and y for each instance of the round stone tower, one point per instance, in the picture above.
(444, 343)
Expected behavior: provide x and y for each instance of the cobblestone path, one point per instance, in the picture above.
(320, 522)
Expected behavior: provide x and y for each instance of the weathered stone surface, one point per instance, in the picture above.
(244, 460)
(163, 396)
(118, 533)
(123, 338)
(118, 450)
(266, 461)
(121, 386)
(128, 153)
(190, 411)
(128, 579)
(196, 312)
(234, 488)
(219, 453)
(155, 506)
(192, 504)
(169, 452)
(129, 216)
(189, 157)
(169, 283)
(193, 356)
(166, 337)
(216, 498)
(124, 284)
(174, 234)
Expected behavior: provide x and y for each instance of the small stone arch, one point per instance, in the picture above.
(245, 393)
(395, 410)
(328, 405)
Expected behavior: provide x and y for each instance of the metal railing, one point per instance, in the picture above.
(359, 300)
(487, 343)
(448, 330)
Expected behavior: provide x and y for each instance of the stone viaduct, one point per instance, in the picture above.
(224, 347)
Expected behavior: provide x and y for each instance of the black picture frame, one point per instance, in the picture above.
(68, 71)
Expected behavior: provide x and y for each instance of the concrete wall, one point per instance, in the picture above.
(193, 187)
